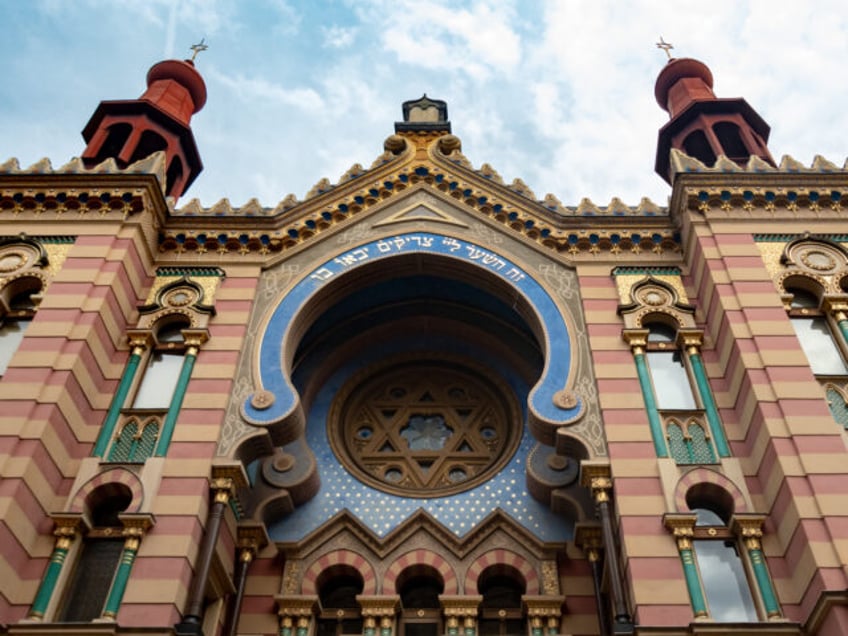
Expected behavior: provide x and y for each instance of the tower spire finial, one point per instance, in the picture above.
(202, 46)
(665, 46)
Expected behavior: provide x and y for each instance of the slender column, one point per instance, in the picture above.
(379, 613)
(598, 478)
(134, 528)
(692, 341)
(139, 343)
(588, 539)
(750, 528)
(544, 613)
(193, 340)
(837, 306)
(296, 614)
(637, 339)
(252, 537)
(683, 528)
(222, 489)
(66, 531)
(460, 614)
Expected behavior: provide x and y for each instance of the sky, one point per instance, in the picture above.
(559, 94)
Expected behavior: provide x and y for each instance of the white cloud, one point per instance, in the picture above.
(337, 37)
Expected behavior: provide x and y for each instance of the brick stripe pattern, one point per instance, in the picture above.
(113, 476)
(502, 562)
(336, 559)
(420, 560)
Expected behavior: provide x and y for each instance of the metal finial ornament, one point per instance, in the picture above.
(665, 46)
(202, 46)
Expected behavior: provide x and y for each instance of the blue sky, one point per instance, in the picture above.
(559, 94)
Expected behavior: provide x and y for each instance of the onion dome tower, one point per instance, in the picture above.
(702, 125)
(129, 130)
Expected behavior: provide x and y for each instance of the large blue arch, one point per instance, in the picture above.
(274, 378)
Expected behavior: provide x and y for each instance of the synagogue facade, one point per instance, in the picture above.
(423, 400)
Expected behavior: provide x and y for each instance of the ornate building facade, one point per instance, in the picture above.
(423, 401)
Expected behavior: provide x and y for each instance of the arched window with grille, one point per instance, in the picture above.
(91, 578)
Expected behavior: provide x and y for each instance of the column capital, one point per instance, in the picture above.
(589, 538)
(297, 605)
(636, 338)
(139, 340)
(378, 605)
(251, 537)
(836, 305)
(195, 338)
(226, 479)
(232, 470)
(69, 524)
(749, 526)
(596, 475)
(460, 606)
(543, 605)
(682, 526)
(136, 523)
(691, 339)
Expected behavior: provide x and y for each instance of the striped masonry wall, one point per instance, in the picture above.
(56, 391)
(158, 588)
(774, 412)
(650, 559)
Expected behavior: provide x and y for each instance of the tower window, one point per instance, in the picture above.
(698, 146)
(731, 142)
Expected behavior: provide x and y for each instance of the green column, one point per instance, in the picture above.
(302, 626)
(843, 328)
(710, 408)
(370, 630)
(751, 533)
(693, 581)
(650, 403)
(108, 428)
(176, 403)
(122, 577)
(286, 626)
(48, 583)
